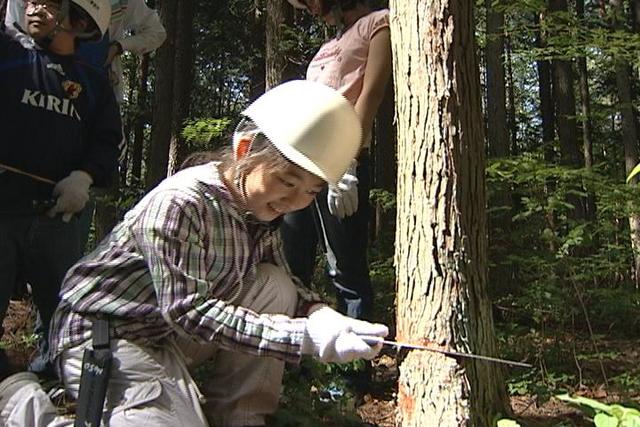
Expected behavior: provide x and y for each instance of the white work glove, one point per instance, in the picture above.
(343, 197)
(72, 194)
(332, 337)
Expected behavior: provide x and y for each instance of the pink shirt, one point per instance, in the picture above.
(340, 62)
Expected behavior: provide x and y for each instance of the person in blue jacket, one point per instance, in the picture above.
(61, 129)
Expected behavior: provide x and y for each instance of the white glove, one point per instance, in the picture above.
(72, 194)
(343, 197)
(332, 337)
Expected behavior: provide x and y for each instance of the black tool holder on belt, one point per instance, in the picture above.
(96, 368)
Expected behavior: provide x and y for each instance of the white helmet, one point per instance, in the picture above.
(98, 10)
(311, 124)
(298, 4)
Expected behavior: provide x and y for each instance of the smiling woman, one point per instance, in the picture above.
(196, 270)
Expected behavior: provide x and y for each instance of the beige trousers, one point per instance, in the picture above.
(153, 386)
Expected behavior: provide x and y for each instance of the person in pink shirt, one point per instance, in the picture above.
(357, 63)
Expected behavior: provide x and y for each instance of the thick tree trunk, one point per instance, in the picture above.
(183, 72)
(278, 67)
(158, 154)
(441, 246)
(629, 131)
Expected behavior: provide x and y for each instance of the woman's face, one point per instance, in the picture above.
(271, 194)
(315, 8)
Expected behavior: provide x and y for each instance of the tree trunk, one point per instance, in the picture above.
(565, 106)
(183, 72)
(547, 112)
(158, 156)
(142, 112)
(384, 158)
(498, 141)
(278, 68)
(497, 131)
(547, 115)
(441, 246)
(512, 121)
(585, 103)
(629, 131)
(258, 71)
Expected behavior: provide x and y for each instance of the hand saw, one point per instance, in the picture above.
(372, 340)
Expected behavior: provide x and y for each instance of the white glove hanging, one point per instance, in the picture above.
(72, 194)
(332, 337)
(342, 198)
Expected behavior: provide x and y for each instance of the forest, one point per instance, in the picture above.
(506, 206)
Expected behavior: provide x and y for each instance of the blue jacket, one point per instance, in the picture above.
(56, 116)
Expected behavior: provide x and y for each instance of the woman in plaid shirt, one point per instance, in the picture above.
(195, 272)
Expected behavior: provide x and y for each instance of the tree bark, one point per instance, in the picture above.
(183, 72)
(384, 158)
(142, 113)
(278, 67)
(498, 141)
(585, 104)
(629, 130)
(441, 246)
(158, 155)
(258, 71)
(497, 128)
(547, 112)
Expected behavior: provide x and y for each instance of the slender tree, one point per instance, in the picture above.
(497, 128)
(141, 119)
(441, 243)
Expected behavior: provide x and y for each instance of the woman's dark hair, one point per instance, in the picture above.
(327, 5)
(200, 158)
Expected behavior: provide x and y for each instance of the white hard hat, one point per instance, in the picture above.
(98, 10)
(311, 124)
(298, 4)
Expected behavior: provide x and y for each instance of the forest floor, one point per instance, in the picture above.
(597, 377)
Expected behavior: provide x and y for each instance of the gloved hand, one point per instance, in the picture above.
(343, 197)
(72, 194)
(332, 337)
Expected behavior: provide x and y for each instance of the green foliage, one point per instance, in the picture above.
(507, 423)
(554, 251)
(204, 134)
(383, 198)
(605, 415)
(315, 395)
(541, 385)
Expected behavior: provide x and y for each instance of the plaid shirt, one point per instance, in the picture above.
(172, 265)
